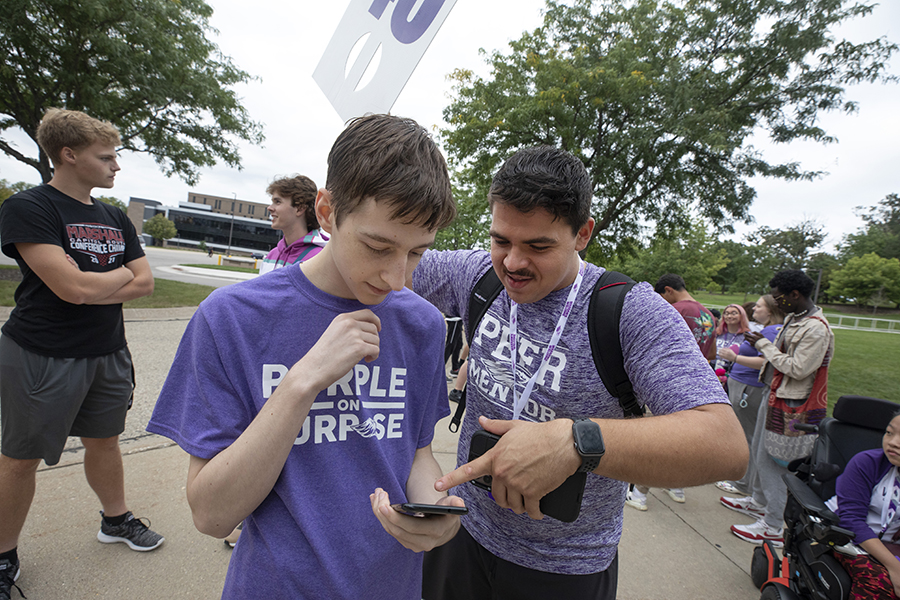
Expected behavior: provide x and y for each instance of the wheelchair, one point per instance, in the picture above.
(807, 568)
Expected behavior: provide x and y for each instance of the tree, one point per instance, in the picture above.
(881, 233)
(470, 228)
(692, 253)
(788, 248)
(658, 100)
(868, 279)
(144, 65)
(7, 189)
(160, 228)
(113, 202)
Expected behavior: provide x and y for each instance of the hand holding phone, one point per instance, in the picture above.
(414, 509)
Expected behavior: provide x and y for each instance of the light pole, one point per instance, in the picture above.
(231, 230)
(818, 284)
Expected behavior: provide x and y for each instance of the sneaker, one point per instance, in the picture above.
(635, 499)
(232, 538)
(133, 532)
(744, 505)
(676, 494)
(455, 395)
(759, 532)
(729, 488)
(9, 573)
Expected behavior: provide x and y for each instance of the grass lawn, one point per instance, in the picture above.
(169, 294)
(225, 268)
(864, 364)
(721, 300)
(166, 294)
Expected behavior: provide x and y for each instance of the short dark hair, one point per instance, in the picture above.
(301, 192)
(669, 280)
(545, 177)
(394, 160)
(793, 279)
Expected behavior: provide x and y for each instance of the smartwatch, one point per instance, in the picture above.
(588, 444)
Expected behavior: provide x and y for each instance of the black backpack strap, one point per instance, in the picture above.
(604, 313)
(483, 295)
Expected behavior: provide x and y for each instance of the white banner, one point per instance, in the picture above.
(375, 50)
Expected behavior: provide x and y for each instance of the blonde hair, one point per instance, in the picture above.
(72, 129)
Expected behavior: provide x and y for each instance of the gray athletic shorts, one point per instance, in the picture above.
(43, 400)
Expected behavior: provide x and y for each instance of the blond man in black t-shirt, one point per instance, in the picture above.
(80, 260)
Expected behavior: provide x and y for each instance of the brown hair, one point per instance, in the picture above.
(776, 315)
(394, 160)
(72, 129)
(301, 191)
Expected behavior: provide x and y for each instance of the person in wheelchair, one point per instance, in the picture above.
(841, 523)
(868, 499)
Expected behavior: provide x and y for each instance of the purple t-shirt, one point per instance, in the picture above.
(662, 361)
(746, 375)
(854, 491)
(314, 536)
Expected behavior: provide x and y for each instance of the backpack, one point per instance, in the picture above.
(604, 312)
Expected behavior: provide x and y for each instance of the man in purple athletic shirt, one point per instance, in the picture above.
(540, 207)
(309, 429)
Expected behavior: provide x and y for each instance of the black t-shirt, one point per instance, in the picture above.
(99, 237)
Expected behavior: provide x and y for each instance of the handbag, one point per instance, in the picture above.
(781, 439)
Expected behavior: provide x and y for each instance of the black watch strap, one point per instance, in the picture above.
(588, 462)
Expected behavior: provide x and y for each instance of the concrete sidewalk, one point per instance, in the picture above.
(672, 551)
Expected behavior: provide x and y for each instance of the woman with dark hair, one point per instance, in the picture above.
(745, 391)
(868, 499)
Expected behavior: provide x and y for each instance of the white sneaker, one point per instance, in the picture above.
(676, 494)
(635, 499)
(744, 505)
(759, 532)
(728, 487)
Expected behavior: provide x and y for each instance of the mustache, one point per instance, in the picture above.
(519, 273)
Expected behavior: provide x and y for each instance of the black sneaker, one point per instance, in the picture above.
(455, 395)
(132, 532)
(9, 572)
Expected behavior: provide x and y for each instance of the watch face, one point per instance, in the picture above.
(589, 439)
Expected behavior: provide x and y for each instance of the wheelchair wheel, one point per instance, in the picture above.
(759, 567)
(777, 592)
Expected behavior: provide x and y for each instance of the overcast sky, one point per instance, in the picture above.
(281, 42)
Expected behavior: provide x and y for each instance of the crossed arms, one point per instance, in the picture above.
(60, 273)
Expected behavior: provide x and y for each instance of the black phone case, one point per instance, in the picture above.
(563, 503)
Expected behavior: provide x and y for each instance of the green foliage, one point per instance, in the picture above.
(7, 189)
(881, 233)
(202, 246)
(144, 65)
(113, 202)
(766, 251)
(691, 253)
(867, 280)
(658, 100)
(160, 228)
(788, 248)
(470, 228)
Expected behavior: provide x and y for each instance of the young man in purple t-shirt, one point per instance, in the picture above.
(540, 202)
(307, 398)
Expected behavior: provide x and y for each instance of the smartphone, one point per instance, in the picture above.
(423, 510)
(563, 503)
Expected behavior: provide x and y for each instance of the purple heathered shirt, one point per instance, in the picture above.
(661, 358)
(314, 536)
